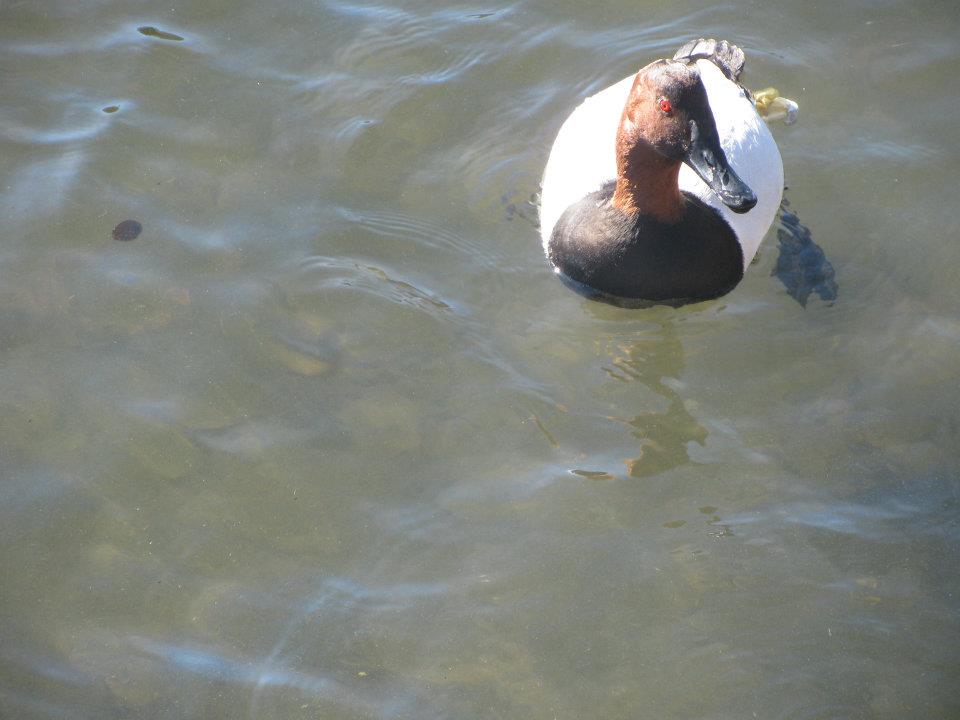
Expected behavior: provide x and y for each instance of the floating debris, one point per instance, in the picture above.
(772, 106)
(593, 474)
(111, 108)
(127, 230)
(151, 31)
(527, 210)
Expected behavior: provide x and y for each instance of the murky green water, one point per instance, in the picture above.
(329, 440)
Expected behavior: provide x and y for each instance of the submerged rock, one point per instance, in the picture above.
(127, 230)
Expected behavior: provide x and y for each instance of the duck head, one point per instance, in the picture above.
(666, 121)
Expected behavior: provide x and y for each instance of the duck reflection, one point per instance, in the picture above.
(653, 360)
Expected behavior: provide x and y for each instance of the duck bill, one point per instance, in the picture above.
(708, 160)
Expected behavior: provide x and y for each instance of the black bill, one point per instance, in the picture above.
(708, 160)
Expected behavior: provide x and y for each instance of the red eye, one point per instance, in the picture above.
(665, 105)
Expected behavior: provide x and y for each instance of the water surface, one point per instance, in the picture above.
(328, 439)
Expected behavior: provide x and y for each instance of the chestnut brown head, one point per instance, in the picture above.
(668, 110)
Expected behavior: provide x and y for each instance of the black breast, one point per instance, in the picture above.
(640, 258)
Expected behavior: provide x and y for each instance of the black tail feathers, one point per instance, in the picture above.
(726, 56)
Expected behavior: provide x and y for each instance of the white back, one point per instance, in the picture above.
(753, 153)
(583, 157)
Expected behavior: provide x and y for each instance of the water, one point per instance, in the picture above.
(328, 439)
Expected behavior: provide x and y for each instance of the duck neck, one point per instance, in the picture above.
(647, 183)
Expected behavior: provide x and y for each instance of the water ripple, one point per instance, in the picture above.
(45, 186)
(74, 132)
(109, 42)
(419, 231)
(212, 665)
(324, 273)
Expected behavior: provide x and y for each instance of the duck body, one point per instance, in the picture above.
(695, 258)
(662, 186)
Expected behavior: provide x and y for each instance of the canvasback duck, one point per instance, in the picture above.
(660, 188)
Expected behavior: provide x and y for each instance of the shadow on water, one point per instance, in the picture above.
(802, 266)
